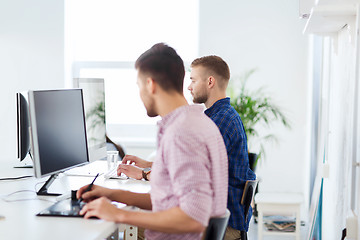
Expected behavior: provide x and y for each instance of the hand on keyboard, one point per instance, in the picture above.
(113, 175)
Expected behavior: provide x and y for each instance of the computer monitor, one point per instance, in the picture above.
(57, 132)
(22, 116)
(94, 104)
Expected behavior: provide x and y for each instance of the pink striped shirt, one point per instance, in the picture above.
(190, 169)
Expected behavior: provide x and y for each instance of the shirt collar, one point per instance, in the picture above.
(217, 105)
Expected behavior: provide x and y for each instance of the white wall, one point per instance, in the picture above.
(267, 35)
(31, 57)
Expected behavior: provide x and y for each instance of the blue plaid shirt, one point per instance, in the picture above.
(232, 130)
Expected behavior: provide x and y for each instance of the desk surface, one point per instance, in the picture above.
(21, 222)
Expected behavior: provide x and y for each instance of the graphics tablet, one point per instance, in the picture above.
(64, 208)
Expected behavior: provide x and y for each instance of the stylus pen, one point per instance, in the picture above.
(89, 187)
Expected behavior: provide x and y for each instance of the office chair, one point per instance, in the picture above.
(246, 199)
(217, 226)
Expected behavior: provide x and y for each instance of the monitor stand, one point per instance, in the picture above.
(44, 189)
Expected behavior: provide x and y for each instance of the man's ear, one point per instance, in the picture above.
(211, 82)
(150, 85)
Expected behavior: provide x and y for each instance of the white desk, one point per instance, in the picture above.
(21, 221)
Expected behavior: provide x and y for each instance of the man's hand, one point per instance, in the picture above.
(95, 192)
(102, 208)
(130, 171)
(129, 159)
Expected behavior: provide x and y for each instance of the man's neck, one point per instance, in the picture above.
(170, 102)
(213, 98)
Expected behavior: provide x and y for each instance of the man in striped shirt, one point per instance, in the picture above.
(209, 79)
(189, 175)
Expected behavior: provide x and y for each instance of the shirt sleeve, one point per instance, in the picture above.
(189, 171)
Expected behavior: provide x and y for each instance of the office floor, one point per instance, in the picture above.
(253, 233)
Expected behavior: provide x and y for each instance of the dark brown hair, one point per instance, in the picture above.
(214, 64)
(164, 65)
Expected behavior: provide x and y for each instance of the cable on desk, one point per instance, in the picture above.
(23, 199)
(15, 178)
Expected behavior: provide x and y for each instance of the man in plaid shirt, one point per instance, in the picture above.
(209, 79)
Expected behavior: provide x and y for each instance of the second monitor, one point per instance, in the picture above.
(94, 104)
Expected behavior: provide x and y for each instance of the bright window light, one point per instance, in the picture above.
(104, 38)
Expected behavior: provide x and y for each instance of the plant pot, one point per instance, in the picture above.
(252, 161)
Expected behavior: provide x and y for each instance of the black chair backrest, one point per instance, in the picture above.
(217, 226)
(248, 195)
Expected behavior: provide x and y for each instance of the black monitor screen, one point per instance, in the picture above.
(58, 130)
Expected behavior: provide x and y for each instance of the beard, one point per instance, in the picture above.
(150, 107)
(200, 98)
(151, 112)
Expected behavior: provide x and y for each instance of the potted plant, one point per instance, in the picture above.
(255, 108)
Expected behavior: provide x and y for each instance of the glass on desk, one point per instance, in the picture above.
(112, 159)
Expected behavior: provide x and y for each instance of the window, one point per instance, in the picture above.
(104, 39)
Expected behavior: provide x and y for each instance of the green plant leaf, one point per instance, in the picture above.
(255, 108)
